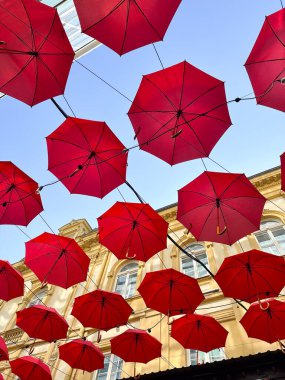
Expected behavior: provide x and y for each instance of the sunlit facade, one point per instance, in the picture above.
(125, 276)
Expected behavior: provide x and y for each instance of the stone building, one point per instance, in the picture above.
(107, 273)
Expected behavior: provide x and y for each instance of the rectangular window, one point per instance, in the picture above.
(198, 357)
(112, 368)
(192, 268)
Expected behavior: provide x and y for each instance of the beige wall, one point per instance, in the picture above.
(103, 271)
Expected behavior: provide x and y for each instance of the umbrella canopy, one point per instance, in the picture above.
(101, 310)
(136, 346)
(252, 275)
(125, 25)
(36, 55)
(41, 322)
(11, 282)
(282, 159)
(132, 230)
(81, 354)
(220, 207)
(199, 332)
(179, 113)
(170, 292)
(19, 202)
(57, 260)
(267, 324)
(3, 350)
(87, 157)
(30, 368)
(265, 64)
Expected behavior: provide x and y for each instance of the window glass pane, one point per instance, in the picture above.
(102, 373)
(38, 297)
(266, 243)
(187, 267)
(121, 282)
(129, 267)
(131, 285)
(127, 279)
(112, 368)
(266, 225)
(216, 355)
(279, 235)
(116, 368)
(201, 270)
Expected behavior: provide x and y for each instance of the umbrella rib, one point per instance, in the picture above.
(83, 134)
(152, 232)
(99, 139)
(264, 61)
(162, 93)
(107, 15)
(12, 31)
(155, 135)
(202, 94)
(63, 163)
(206, 219)
(197, 137)
(150, 24)
(273, 31)
(230, 184)
(126, 26)
(18, 73)
(30, 26)
(197, 115)
(239, 212)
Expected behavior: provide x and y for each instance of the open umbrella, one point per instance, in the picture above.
(87, 157)
(81, 354)
(267, 324)
(36, 55)
(136, 346)
(282, 159)
(101, 310)
(266, 62)
(125, 25)
(132, 230)
(220, 207)
(57, 260)
(19, 202)
(4, 355)
(179, 113)
(30, 368)
(11, 282)
(41, 322)
(252, 275)
(199, 332)
(170, 292)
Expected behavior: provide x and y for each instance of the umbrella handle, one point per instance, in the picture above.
(99, 337)
(44, 284)
(31, 349)
(263, 307)
(176, 134)
(282, 348)
(130, 257)
(219, 232)
(136, 376)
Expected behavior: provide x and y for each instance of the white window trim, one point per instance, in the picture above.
(126, 273)
(195, 253)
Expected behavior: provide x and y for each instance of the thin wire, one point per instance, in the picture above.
(46, 223)
(158, 255)
(158, 56)
(121, 195)
(281, 3)
(149, 328)
(23, 232)
(69, 106)
(203, 162)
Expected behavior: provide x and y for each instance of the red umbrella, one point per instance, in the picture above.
(265, 64)
(1, 377)
(3, 350)
(36, 55)
(126, 25)
(136, 346)
(267, 324)
(132, 230)
(87, 157)
(81, 354)
(252, 275)
(220, 207)
(179, 113)
(282, 159)
(101, 310)
(170, 292)
(29, 368)
(198, 332)
(41, 322)
(19, 202)
(11, 282)
(57, 260)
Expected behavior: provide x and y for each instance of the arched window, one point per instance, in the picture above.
(191, 267)
(38, 297)
(127, 279)
(271, 237)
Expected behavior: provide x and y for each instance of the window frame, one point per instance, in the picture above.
(127, 273)
(110, 367)
(269, 231)
(207, 356)
(36, 299)
(195, 264)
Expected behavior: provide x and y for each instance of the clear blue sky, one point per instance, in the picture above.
(216, 36)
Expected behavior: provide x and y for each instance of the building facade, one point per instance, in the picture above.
(107, 273)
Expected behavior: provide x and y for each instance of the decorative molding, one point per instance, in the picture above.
(13, 335)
